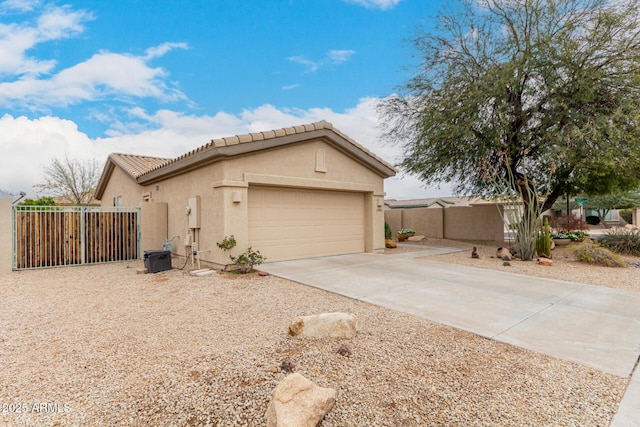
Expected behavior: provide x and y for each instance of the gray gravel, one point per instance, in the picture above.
(101, 345)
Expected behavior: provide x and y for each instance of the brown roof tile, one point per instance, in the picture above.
(137, 165)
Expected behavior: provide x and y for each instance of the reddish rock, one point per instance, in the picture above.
(545, 261)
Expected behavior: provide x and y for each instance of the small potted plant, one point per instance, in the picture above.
(404, 233)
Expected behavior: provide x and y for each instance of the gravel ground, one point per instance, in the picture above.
(565, 266)
(101, 345)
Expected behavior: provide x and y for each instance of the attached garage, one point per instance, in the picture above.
(287, 223)
(289, 193)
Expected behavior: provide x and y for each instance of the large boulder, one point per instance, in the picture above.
(415, 238)
(325, 325)
(297, 401)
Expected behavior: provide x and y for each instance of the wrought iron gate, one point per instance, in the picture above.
(53, 236)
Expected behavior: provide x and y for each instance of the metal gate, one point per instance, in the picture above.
(53, 236)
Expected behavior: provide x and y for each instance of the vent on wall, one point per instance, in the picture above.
(320, 161)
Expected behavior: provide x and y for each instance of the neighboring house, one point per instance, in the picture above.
(436, 202)
(290, 193)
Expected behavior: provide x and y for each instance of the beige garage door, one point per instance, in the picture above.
(292, 223)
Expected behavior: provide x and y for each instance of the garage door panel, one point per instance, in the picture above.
(293, 223)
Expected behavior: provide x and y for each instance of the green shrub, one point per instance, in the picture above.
(592, 220)
(574, 236)
(622, 241)
(387, 231)
(244, 262)
(595, 254)
(627, 215)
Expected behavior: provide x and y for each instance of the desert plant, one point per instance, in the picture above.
(543, 241)
(387, 231)
(244, 262)
(407, 231)
(592, 253)
(574, 236)
(622, 241)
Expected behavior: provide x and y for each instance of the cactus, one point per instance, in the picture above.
(543, 242)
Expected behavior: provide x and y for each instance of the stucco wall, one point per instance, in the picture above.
(153, 225)
(218, 184)
(121, 184)
(6, 235)
(426, 221)
(473, 223)
(394, 218)
(458, 223)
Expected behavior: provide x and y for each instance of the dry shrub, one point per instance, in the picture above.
(622, 241)
(593, 253)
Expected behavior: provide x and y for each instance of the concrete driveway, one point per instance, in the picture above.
(595, 326)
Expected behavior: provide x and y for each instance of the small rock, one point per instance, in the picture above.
(545, 261)
(142, 271)
(506, 264)
(506, 256)
(388, 243)
(274, 369)
(287, 366)
(325, 325)
(263, 273)
(344, 350)
(502, 251)
(297, 401)
(415, 238)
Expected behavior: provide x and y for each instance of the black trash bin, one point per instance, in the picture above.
(156, 261)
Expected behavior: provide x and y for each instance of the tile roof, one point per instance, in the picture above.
(266, 135)
(137, 165)
(146, 169)
(415, 203)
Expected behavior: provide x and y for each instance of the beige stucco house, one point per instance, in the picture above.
(290, 193)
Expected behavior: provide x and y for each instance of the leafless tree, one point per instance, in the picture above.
(71, 179)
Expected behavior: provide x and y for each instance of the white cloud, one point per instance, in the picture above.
(158, 51)
(104, 74)
(33, 83)
(18, 5)
(291, 87)
(339, 56)
(30, 143)
(54, 23)
(333, 57)
(376, 4)
(311, 66)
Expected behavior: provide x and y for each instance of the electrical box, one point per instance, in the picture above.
(187, 240)
(193, 210)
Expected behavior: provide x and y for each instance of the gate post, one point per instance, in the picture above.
(6, 235)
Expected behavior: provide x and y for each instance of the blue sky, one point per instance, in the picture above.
(90, 77)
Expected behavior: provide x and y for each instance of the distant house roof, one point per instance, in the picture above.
(147, 170)
(441, 201)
